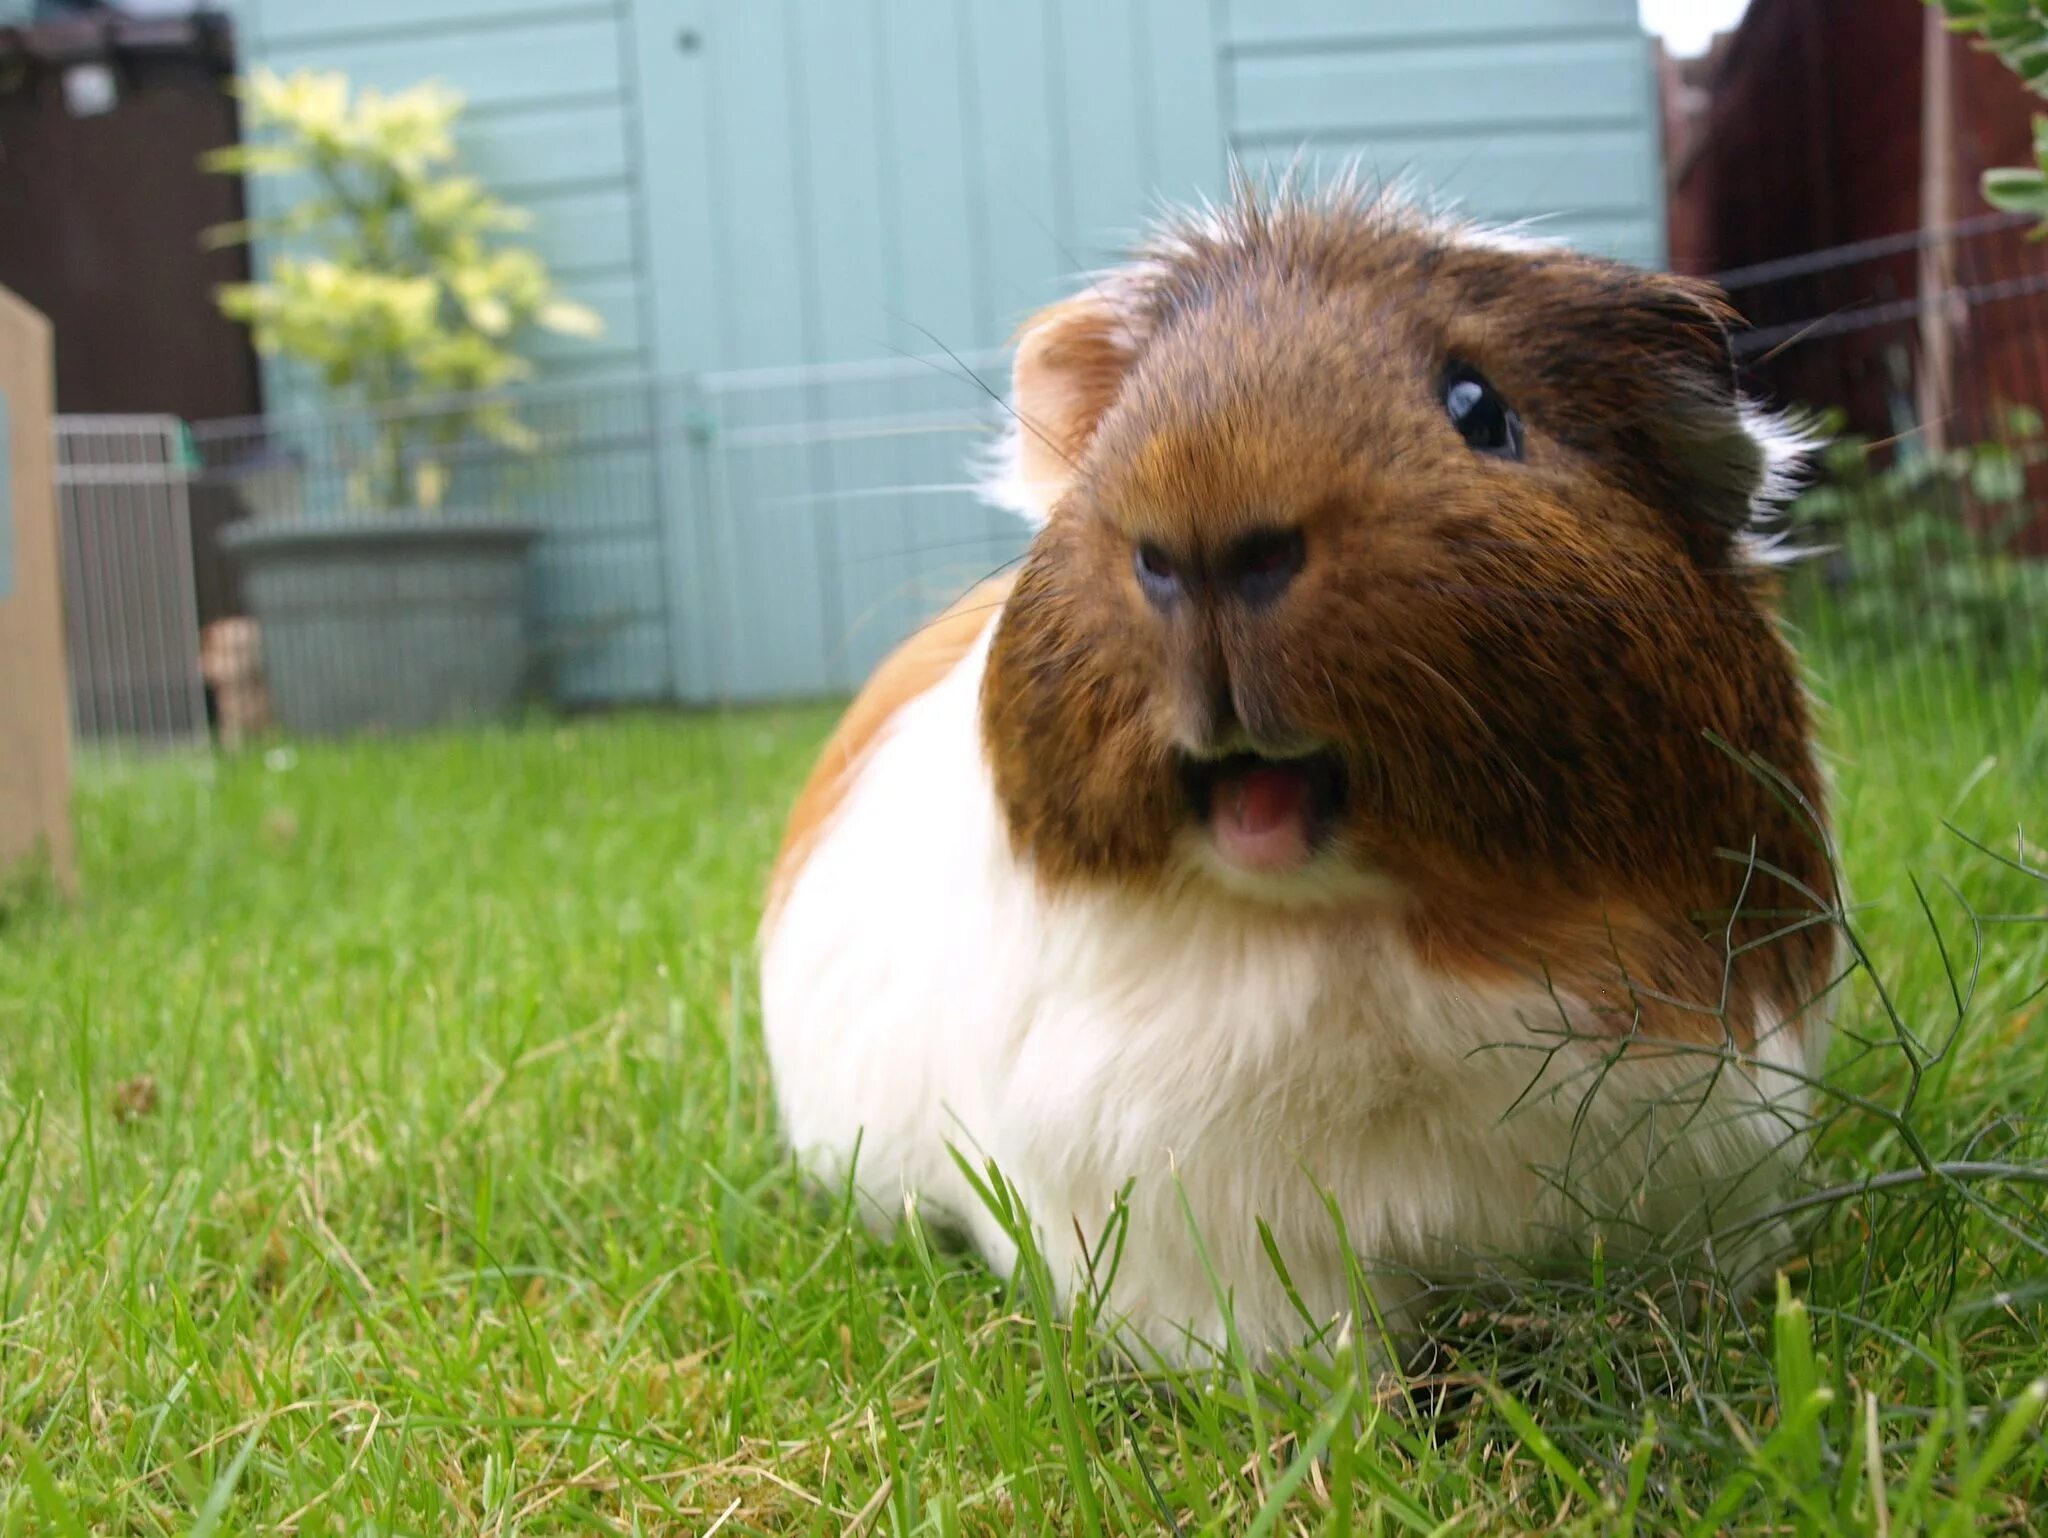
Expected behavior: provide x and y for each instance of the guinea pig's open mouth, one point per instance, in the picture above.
(1265, 814)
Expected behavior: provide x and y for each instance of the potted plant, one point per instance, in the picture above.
(393, 281)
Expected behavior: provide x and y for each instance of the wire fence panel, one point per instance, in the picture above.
(738, 537)
(1923, 597)
(583, 465)
(130, 608)
(845, 515)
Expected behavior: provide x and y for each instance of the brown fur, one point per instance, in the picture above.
(906, 673)
(1523, 666)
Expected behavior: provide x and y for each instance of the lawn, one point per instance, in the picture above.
(385, 1146)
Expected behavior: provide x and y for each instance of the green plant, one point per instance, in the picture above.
(391, 276)
(2017, 31)
(1922, 546)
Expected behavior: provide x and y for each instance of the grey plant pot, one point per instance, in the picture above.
(392, 624)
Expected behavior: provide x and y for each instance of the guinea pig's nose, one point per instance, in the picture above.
(1260, 565)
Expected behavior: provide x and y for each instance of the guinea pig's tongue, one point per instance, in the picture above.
(1259, 816)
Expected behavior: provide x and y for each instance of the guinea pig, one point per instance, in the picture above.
(1380, 807)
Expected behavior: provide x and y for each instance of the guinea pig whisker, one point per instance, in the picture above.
(1605, 561)
(986, 388)
(929, 547)
(1508, 590)
(868, 494)
(992, 605)
(1428, 669)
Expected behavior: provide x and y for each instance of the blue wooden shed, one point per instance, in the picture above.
(771, 202)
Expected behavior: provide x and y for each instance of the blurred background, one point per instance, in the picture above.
(703, 437)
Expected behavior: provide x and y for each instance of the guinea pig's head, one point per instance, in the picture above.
(1382, 556)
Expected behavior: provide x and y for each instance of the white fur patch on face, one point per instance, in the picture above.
(1786, 443)
(999, 480)
(1789, 440)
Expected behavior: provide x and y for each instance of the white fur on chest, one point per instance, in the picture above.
(1230, 1063)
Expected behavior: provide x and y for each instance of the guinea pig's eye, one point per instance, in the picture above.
(1483, 419)
(1156, 575)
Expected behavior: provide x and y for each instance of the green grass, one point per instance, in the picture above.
(385, 1146)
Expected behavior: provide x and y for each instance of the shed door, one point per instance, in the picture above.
(827, 189)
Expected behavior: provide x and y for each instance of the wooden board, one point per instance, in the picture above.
(35, 727)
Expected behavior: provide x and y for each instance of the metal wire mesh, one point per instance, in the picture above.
(130, 610)
(1923, 600)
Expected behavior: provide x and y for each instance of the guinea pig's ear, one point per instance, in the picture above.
(1702, 454)
(1071, 362)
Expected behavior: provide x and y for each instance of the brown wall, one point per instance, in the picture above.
(103, 214)
(35, 731)
(1802, 134)
(1812, 137)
